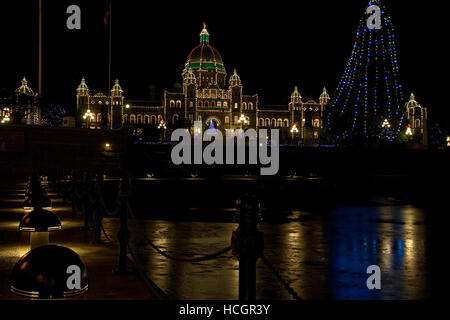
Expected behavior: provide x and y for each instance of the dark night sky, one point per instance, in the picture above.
(274, 46)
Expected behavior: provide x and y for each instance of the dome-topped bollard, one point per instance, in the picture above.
(39, 223)
(36, 195)
(46, 271)
(49, 272)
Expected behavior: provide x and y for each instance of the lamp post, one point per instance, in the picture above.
(294, 131)
(409, 131)
(162, 126)
(242, 121)
(5, 117)
(89, 116)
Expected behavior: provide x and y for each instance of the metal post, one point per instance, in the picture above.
(247, 244)
(74, 193)
(124, 233)
(84, 201)
(98, 207)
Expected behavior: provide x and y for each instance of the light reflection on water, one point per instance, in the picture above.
(322, 257)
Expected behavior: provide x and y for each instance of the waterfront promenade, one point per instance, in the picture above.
(100, 259)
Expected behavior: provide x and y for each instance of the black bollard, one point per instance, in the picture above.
(248, 245)
(98, 207)
(74, 193)
(124, 233)
(84, 201)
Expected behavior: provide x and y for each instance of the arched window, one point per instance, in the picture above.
(244, 105)
(286, 123)
(178, 104)
(280, 123)
(261, 122)
(153, 119)
(235, 105)
(213, 103)
(227, 120)
(250, 106)
(172, 104)
(175, 118)
(99, 117)
(219, 104)
(225, 104)
(206, 103)
(132, 119)
(418, 124)
(124, 118)
(191, 104)
(199, 118)
(147, 119)
(267, 122)
(200, 103)
(316, 123)
(274, 123)
(139, 118)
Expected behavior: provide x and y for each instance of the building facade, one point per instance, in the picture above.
(417, 118)
(206, 95)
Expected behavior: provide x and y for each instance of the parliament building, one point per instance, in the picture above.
(208, 95)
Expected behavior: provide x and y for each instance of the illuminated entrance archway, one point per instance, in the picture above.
(216, 122)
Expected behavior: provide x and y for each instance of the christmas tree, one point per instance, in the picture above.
(368, 104)
(53, 115)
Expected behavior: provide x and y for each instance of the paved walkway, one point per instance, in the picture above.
(100, 259)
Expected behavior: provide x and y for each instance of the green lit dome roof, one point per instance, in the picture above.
(117, 87)
(189, 75)
(204, 56)
(296, 94)
(412, 103)
(24, 88)
(83, 85)
(325, 94)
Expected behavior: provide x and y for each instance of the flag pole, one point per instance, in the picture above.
(110, 59)
(40, 50)
(109, 47)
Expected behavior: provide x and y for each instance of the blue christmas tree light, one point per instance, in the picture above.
(370, 89)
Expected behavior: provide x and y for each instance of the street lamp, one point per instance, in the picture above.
(5, 118)
(89, 116)
(409, 131)
(386, 124)
(162, 126)
(448, 142)
(243, 120)
(294, 130)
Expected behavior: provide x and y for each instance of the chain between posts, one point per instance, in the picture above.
(247, 241)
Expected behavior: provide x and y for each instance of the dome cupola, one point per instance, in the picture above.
(82, 87)
(296, 97)
(116, 89)
(24, 89)
(235, 80)
(324, 97)
(204, 56)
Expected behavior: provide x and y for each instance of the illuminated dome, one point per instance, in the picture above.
(42, 273)
(24, 88)
(412, 103)
(204, 56)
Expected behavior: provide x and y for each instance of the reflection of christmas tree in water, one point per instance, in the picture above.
(369, 91)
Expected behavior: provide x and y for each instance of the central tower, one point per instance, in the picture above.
(206, 63)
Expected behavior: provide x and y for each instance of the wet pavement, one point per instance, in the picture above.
(100, 259)
(322, 255)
